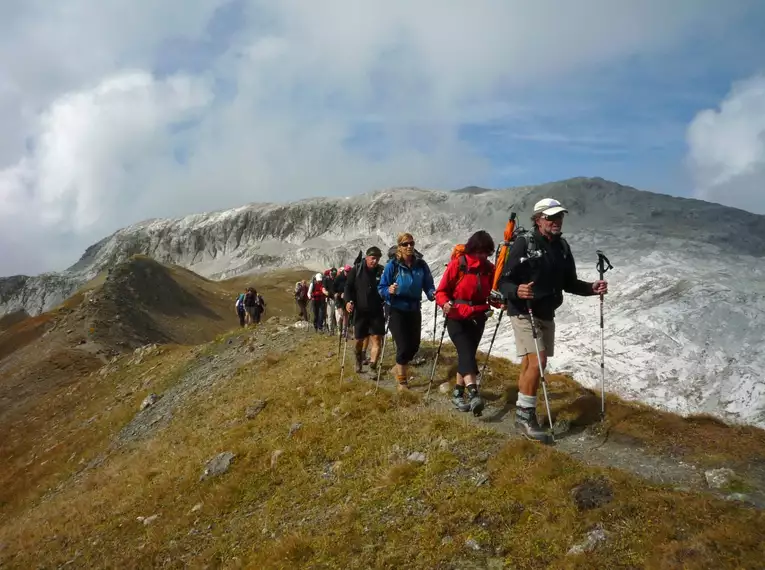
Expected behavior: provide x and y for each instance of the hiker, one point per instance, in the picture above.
(338, 290)
(405, 278)
(240, 312)
(250, 302)
(329, 290)
(318, 301)
(363, 301)
(301, 298)
(539, 268)
(463, 295)
(260, 306)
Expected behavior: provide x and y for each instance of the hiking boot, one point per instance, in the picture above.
(526, 422)
(402, 387)
(458, 399)
(373, 368)
(366, 360)
(358, 362)
(476, 404)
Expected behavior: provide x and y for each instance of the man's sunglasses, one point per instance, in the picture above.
(407, 244)
(554, 218)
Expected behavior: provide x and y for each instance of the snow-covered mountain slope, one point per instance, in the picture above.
(684, 318)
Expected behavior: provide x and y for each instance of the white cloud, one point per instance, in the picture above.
(727, 148)
(95, 138)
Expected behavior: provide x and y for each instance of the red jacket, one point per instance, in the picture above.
(467, 289)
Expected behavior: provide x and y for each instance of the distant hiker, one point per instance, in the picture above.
(405, 279)
(338, 290)
(301, 298)
(240, 311)
(329, 291)
(363, 301)
(318, 301)
(539, 268)
(250, 304)
(260, 307)
(463, 294)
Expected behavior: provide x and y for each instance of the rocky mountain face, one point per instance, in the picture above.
(684, 319)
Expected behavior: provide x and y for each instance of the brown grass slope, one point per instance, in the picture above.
(321, 477)
(47, 362)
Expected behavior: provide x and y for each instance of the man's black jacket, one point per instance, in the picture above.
(361, 288)
(552, 273)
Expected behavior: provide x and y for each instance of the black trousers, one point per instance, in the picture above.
(466, 335)
(405, 326)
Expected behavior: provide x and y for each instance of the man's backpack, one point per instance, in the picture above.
(249, 299)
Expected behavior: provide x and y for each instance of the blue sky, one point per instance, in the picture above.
(118, 111)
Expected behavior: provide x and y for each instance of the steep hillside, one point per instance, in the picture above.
(684, 319)
(257, 453)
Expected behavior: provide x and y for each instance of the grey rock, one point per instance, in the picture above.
(472, 544)
(252, 411)
(294, 428)
(417, 457)
(218, 465)
(148, 401)
(719, 478)
(594, 538)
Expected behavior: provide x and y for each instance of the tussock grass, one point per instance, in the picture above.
(339, 492)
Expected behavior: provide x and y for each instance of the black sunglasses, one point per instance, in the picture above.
(407, 244)
(554, 218)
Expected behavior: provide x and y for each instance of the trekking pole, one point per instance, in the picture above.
(541, 370)
(435, 321)
(491, 344)
(344, 323)
(435, 361)
(345, 349)
(382, 353)
(602, 265)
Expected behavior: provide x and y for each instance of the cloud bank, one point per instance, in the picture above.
(118, 111)
(727, 148)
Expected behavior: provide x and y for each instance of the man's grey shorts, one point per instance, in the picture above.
(524, 339)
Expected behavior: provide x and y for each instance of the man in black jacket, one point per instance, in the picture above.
(539, 268)
(364, 302)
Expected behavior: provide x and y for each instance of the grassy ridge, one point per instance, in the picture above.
(342, 494)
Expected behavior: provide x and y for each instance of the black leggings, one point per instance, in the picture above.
(405, 327)
(466, 335)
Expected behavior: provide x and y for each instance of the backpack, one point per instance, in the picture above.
(512, 233)
(249, 300)
(458, 252)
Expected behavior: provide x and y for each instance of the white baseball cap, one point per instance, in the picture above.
(318, 277)
(549, 207)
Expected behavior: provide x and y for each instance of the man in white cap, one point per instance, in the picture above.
(539, 268)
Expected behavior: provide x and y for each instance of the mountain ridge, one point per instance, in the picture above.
(684, 316)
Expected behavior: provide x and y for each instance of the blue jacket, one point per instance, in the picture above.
(412, 283)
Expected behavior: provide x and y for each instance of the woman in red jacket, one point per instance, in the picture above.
(463, 294)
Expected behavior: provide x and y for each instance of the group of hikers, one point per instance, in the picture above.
(250, 307)
(527, 283)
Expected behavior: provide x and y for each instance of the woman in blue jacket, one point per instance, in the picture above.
(405, 279)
